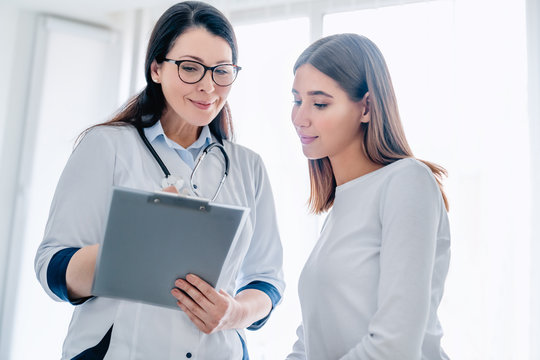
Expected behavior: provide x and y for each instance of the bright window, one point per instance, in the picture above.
(261, 102)
(459, 72)
(70, 97)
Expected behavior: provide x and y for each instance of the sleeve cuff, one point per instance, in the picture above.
(56, 275)
(272, 293)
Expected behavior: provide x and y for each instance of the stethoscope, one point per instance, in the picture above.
(169, 179)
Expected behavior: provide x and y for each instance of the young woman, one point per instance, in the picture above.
(372, 284)
(190, 66)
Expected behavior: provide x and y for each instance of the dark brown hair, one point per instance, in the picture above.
(358, 66)
(146, 108)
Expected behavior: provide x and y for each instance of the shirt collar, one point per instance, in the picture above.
(156, 131)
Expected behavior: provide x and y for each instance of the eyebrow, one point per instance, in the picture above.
(196, 58)
(315, 93)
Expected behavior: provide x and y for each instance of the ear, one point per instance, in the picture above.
(155, 71)
(365, 108)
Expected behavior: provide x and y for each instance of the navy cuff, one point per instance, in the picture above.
(56, 274)
(269, 290)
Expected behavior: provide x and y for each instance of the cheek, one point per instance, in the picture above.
(329, 125)
(172, 91)
(223, 92)
(339, 127)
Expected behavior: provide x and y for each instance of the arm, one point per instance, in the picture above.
(410, 210)
(260, 280)
(80, 272)
(76, 220)
(263, 261)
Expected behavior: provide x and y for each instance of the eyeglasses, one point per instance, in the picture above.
(192, 72)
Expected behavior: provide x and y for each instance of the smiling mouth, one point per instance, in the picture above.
(202, 104)
(307, 139)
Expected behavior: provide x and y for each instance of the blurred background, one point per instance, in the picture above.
(466, 74)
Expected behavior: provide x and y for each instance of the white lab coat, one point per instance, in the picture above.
(109, 156)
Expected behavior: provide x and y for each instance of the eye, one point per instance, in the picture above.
(222, 71)
(188, 68)
(320, 106)
(297, 102)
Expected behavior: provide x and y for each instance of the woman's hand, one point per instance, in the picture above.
(207, 308)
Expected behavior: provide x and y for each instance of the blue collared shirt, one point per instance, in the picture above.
(155, 133)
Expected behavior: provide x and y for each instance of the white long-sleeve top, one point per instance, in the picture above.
(116, 155)
(373, 282)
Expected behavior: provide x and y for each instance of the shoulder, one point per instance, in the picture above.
(411, 190)
(248, 165)
(109, 132)
(410, 178)
(107, 135)
(241, 154)
(409, 171)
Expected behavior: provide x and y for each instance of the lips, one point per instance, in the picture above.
(307, 139)
(203, 105)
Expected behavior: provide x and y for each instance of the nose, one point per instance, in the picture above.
(300, 117)
(206, 84)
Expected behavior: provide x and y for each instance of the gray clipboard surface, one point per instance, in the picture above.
(152, 239)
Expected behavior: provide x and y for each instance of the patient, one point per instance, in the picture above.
(373, 282)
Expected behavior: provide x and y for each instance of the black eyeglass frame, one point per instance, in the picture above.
(206, 68)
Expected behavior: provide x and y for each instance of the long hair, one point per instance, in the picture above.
(358, 66)
(146, 108)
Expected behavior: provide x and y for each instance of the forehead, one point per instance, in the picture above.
(309, 79)
(199, 42)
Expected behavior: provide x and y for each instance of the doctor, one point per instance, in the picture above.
(190, 67)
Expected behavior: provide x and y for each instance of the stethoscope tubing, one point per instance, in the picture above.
(153, 152)
(206, 150)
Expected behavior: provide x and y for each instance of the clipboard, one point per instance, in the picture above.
(152, 239)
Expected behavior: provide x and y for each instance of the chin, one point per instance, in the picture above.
(310, 155)
(204, 121)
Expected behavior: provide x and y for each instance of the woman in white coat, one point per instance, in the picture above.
(191, 63)
(372, 284)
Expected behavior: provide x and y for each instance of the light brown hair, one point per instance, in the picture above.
(358, 66)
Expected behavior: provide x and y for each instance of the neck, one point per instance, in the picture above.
(352, 163)
(180, 131)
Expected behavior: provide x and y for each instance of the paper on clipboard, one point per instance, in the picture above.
(152, 239)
